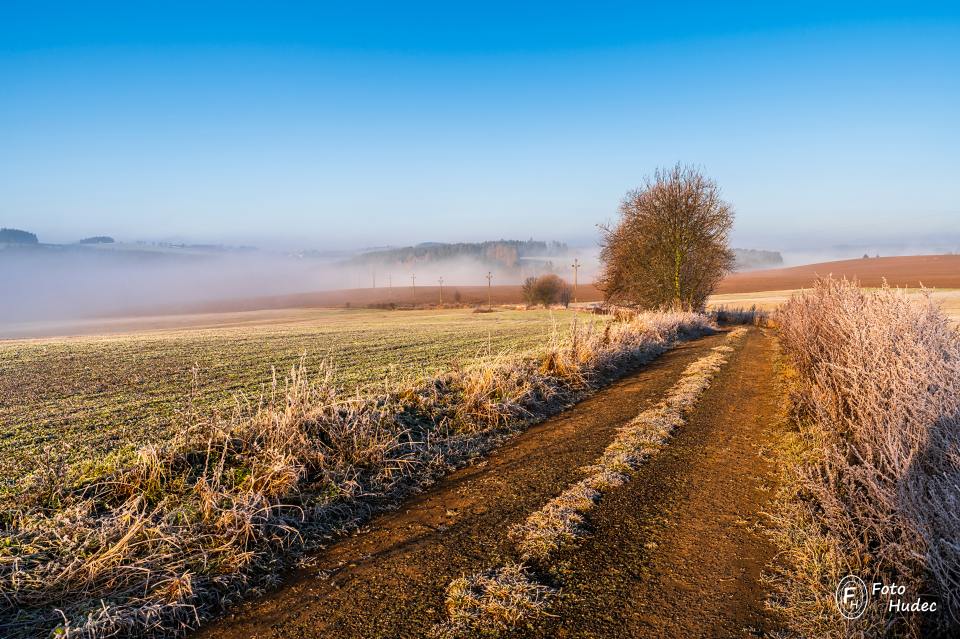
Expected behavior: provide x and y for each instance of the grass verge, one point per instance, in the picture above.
(873, 489)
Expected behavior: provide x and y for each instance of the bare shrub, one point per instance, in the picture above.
(878, 401)
(739, 315)
(546, 290)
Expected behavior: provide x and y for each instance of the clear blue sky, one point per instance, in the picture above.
(361, 123)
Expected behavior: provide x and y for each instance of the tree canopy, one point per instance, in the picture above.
(670, 247)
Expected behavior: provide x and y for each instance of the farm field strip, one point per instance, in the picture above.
(103, 397)
(931, 271)
(949, 299)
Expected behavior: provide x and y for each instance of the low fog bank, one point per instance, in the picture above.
(48, 285)
(813, 248)
(64, 283)
(61, 285)
(803, 256)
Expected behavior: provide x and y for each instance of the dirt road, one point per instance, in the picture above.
(678, 551)
(673, 553)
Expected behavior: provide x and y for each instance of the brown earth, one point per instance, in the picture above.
(679, 551)
(939, 271)
(699, 501)
(403, 296)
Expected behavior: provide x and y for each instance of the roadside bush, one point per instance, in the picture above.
(877, 377)
(546, 289)
(739, 315)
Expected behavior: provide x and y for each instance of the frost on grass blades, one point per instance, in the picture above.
(96, 400)
(501, 599)
(213, 515)
(487, 603)
(874, 489)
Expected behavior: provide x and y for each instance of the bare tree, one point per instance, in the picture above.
(529, 290)
(670, 247)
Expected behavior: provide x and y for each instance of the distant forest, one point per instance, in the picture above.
(503, 253)
(510, 254)
(746, 259)
(16, 236)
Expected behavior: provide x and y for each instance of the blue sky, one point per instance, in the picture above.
(356, 124)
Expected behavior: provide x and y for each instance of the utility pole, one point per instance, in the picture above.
(390, 280)
(441, 289)
(489, 290)
(373, 275)
(413, 284)
(576, 267)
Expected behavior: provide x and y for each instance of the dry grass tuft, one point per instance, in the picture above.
(876, 486)
(215, 513)
(492, 603)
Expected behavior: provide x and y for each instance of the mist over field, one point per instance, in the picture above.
(42, 285)
(69, 282)
(65, 283)
(801, 253)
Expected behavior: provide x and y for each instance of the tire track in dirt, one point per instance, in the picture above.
(390, 580)
(678, 551)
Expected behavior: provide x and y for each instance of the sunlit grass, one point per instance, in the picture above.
(102, 397)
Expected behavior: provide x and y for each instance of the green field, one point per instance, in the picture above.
(89, 397)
